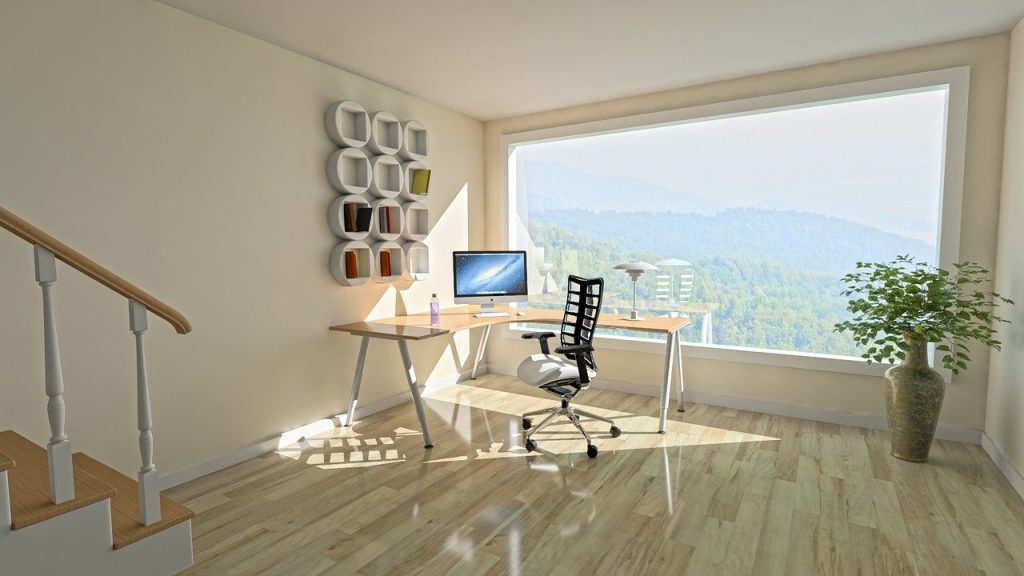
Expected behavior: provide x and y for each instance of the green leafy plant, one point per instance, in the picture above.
(899, 302)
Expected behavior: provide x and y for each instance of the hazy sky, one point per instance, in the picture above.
(876, 161)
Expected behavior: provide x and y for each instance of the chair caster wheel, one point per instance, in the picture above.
(592, 451)
(531, 445)
(616, 432)
(527, 423)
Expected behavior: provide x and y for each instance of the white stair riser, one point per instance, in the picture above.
(80, 543)
(5, 504)
(166, 552)
(73, 543)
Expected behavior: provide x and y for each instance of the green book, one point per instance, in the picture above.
(420, 182)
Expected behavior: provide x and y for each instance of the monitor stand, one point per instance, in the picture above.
(488, 311)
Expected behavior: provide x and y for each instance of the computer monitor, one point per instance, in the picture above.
(489, 277)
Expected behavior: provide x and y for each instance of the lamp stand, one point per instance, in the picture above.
(633, 314)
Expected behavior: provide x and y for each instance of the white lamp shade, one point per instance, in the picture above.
(636, 266)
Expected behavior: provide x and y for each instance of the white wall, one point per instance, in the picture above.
(965, 399)
(1003, 422)
(189, 159)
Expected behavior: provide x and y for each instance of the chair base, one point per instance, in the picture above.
(573, 414)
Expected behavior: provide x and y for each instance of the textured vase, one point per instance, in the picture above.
(913, 400)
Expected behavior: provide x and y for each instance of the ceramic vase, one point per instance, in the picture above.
(913, 400)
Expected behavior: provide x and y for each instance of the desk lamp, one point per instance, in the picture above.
(634, 270)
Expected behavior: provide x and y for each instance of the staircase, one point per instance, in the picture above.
(66, 513)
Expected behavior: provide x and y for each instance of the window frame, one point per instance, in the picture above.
(956, 80)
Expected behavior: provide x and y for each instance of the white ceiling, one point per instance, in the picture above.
(496, 58)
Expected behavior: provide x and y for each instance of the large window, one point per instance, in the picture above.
(752, 218)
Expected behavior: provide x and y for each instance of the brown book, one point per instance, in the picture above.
(351, 268)
(385, 263)
(350, 217)
(387, 216)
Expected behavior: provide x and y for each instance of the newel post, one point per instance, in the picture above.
(149, 490)
(58, 450)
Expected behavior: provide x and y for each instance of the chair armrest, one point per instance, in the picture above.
(581, 361)
(574, 348)
(543, 337)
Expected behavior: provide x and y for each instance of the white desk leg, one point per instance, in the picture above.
(356, 381)
(682, 388)
(480, 350)
(670, 354)
(414, 387)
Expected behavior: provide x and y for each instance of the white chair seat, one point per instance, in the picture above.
(540, 369)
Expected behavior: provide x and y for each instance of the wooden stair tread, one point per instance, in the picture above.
(6, 462)
(30, 484)
(124, 507)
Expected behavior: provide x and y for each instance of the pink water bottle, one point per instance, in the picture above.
(435, 310)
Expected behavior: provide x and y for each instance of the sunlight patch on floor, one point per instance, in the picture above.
(488, 424)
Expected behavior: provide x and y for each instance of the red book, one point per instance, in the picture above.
(351, 269)
(385, 263)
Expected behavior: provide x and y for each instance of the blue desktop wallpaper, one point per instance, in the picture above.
(490, 274)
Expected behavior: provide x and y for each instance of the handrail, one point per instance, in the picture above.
(83, 264)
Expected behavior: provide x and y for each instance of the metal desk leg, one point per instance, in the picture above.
(682, 388)
(356, 381)
(480, 350)
(414, 387)
(670, 354)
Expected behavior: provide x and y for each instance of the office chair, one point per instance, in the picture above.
(567, 377)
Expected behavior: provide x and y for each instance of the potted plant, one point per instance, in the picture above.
(897, 308)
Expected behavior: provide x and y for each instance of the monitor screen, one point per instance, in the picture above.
(490, 274)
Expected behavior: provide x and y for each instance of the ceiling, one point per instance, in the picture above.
(497, 58)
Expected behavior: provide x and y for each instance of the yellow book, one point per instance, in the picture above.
(420, 182)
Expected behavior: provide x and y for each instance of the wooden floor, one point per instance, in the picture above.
(724, 492)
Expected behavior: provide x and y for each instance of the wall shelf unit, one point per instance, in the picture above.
(417, 260)
(385, 134)
(388, 177)
(387, 220)
(415, 141)
(417, 221)
(345, 215)
(351, 263)
(349, 171)
(348, 124)
(389, 262)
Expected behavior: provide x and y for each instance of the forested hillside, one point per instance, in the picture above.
(772, 275)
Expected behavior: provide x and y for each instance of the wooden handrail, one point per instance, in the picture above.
(80, 262)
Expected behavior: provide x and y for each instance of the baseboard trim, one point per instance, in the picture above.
(244, 453)
(1004, 464)
(870, 422)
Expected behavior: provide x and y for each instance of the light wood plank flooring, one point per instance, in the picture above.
(724, 492)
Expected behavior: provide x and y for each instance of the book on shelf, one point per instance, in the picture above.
(420, 182)
(351, 265)
(385, 263)
(363, 214)
(350, 217)
(387, 218)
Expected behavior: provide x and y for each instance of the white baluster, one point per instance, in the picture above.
(149, 490)
(62, 480)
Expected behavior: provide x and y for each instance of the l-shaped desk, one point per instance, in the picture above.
(417, 327)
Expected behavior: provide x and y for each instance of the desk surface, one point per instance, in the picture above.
(417, 326)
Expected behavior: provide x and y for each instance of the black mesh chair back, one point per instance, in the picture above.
(582, 307)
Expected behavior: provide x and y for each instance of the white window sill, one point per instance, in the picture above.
(799, 360)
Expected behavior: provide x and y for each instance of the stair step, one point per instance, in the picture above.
(6, 462)
(124, 507)
(30, 484)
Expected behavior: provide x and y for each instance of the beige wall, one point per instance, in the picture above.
(190, 158)
(965, 400)
(1003, 422)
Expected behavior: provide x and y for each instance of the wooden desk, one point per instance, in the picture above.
(417, 327)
